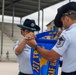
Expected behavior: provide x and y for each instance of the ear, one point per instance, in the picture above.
(67, 18)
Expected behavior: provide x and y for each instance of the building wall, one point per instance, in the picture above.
(51, 26)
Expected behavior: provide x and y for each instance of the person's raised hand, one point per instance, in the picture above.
(58, 34)
(30, 36)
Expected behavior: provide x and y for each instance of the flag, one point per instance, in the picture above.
(41, 66)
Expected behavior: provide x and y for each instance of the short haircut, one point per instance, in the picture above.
(71, 14)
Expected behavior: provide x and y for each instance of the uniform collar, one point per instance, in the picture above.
(72, 26)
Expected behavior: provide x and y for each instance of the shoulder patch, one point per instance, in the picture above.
(60, 41)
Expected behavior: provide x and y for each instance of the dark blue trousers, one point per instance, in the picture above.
(20, 73)
(72, 73)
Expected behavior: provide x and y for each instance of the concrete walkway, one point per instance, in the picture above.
(59, 72)
(9, 68)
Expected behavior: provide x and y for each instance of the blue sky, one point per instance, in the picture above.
(49, 15)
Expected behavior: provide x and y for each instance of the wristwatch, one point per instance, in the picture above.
(35, 47)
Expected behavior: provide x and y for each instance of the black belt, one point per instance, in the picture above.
(63, 73)
(20, 73)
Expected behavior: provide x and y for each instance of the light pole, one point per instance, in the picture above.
(2, 27)
(69, 0)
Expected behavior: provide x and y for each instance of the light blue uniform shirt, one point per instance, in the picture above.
(66, 47)
(24, 59)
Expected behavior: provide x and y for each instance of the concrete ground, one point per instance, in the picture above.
(9, 68)
(59, 72)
